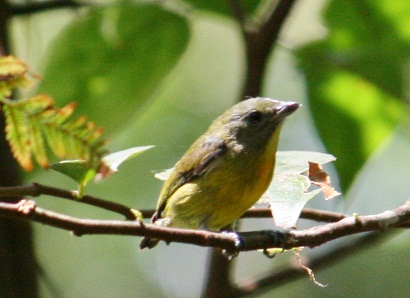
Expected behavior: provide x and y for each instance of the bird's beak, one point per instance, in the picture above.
(285, 109)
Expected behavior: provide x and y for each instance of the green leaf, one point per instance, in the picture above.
(32, 121)
(298, 161)
(356, 78)
(13, 74)
(287, 197)
(164, 175)
(78, 170)
(17, 133)
(223, 7)
(114, 160)
(288, 192)
(112, 59)
(37, 144)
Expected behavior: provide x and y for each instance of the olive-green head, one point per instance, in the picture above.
(253, 121)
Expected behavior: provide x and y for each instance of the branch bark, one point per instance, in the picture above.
(232, 242)
(18, 270)
(18, 9)
(36, 189)
(339, 226)
(259, 43)
(290, 273)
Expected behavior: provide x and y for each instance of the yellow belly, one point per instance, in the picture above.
(221, 197)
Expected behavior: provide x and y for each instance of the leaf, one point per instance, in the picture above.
(18, 137)
(287, 197)
(13, 73)
(37, 144)
(164, 175)
(113, 58)
(321, 179)
(295, 171)
(33, 121)
(298, 161)
(355, 74)
(223, 7)
(78, 170)
(114, 160)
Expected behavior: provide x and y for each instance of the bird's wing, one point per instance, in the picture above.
(203, 155)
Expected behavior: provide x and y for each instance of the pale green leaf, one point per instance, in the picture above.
(76, 170)
(287, 196)
(121, 52)
(114, 160)
(298, 161)
(164, 175)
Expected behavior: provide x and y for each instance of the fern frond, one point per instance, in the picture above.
(37, 143)
(34, 122)
(17, 133)
(13, 73)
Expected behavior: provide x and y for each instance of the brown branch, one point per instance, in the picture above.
(286, 274)
(35, 190)
(18, 9)
(18, 270)
(218, 281)
(259, 42)
(245, 241)
(307, 213)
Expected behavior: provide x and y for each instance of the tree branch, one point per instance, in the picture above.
(259, 42)
(35, 190)
(18, 270)
(287, 274)
(307, 213)
(18, 9)
(245, 241)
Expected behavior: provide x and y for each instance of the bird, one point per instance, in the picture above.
(225, 171)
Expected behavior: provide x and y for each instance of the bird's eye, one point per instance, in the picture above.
(255, 117)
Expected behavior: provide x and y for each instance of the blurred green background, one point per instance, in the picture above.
(158, 75)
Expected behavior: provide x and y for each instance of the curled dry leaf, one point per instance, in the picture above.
(320, 178)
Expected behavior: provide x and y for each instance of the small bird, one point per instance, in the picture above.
(225, 171)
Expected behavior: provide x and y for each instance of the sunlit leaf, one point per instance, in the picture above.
(111, 59)
(114, 160)
(287, 197)
(18, 137)
(164, 175)
(295, 172)
(78, 170)
(13, 73)
(224, 7)
(298, 161)
(33, 121)
(356, 78)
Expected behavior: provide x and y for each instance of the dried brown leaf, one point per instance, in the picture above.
(320, 178)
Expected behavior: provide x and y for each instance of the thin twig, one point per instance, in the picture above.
(18, 9)
(35, 190)
(307, 213)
